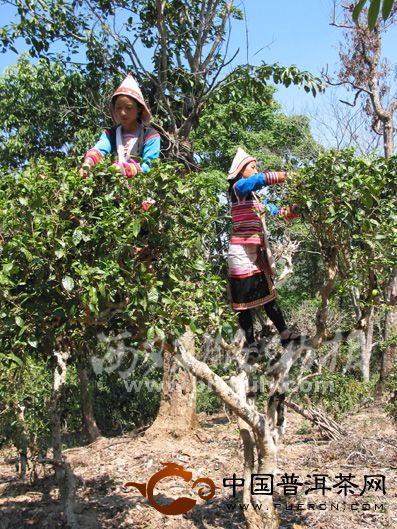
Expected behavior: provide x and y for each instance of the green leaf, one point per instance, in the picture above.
(373, 13)
(102, 289)
(227, 330)
(159, 333)
(368, 199)
(136, 227)
(357, 10)
(19, 321)
(15, 359)
(33, 342)
(150, 335)
(77, 236)
(68, 283)
(199, 265)
(7, 268)
(153, 295)
(386, 8)
(27, 254)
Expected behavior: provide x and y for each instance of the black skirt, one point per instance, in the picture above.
(253, 291)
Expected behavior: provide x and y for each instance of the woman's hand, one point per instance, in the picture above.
(128, 169)
(85, 170)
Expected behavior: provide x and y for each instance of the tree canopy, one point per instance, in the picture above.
(177, 50)
(277, 140)
(68, 263)
(57, 111)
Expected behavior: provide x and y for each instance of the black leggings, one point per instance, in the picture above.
(274, 313)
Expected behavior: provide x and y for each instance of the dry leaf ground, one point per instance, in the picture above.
(214, 451)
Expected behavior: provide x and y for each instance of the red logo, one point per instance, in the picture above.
(180, 505)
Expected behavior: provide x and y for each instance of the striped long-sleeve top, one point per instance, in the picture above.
(247, 225)
(145, 146)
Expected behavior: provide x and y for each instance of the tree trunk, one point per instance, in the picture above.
(22, 441)
(389, 356)
(177, 412)
(264, 443)
(325, 292)
(388, 137)
(366, 339)
(257, 433)
(63, 472)
(87, 406)
(54, 410)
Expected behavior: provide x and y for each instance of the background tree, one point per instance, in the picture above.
(186, 45)
(349, 204)
(235, 117)
(57, 112)
(368, 75)
(338, 125)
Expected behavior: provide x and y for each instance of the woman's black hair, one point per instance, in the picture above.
(232, 182)
(139, 105)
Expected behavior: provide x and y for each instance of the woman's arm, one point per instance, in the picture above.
(287, 213)
(269, 178)
(100, 149)
(94, 155)
(151, 151)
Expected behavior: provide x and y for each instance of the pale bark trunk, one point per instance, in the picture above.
(54, 409)
(388, 137)
(63, 473)
(257, 433)
(389, 357)
(366, 334)
(366, 339)
(325, 293)
(87, 406)
(23, 440)
(267, 464)
(177, 413)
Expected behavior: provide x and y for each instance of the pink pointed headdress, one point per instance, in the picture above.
(239, 162)
(129, 87)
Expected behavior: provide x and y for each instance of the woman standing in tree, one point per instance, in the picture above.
(250, 263)
(131, 139)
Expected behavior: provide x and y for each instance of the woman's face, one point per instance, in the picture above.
(127, 112)
(249, 169)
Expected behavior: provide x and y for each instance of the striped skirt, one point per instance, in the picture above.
(251, 283)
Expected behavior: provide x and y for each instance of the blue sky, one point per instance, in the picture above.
(284, 31)
(292, 32)
(297, 32)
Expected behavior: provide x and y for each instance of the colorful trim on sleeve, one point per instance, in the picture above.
(274, 177)
(128, 169)
(93, 156)
(288, 213)
(100, 149)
